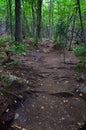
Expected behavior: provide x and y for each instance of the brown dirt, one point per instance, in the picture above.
(53, 103)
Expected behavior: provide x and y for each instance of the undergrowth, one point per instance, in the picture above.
(80, 52)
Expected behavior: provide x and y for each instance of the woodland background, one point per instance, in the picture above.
(58, 20)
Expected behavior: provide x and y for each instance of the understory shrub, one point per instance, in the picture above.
(7, 49)
(80, 51)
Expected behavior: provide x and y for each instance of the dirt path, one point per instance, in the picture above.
(45, 109)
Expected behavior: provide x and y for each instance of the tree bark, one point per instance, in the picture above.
(74, 20)
(51, 19)
(10, 10)
(79, 9)
(39, 18)
(18, 32)
(7, 18)
(33, 18)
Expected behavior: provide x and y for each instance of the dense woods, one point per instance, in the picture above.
(44, 19)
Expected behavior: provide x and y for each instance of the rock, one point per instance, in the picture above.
(82, 92)
(16, 116)
(12, 78)
(12, 82)
(46, 46)
(82, 89)
(83, 127)
(9, 79)
(81, 78)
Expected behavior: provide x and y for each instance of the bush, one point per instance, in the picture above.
(80, 51)
(17, 48)
(7, 49)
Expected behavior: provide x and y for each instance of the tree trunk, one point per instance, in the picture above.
(33, 19)
(79, 9)
(74, 20)
(7, 18)
(18, 20)
(24, 21)
(39, 18)
(10, 10)
(51, 19)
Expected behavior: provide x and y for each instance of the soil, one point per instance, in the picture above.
(49, 101)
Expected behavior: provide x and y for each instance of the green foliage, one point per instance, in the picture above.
(17, 48)
(5, 79)
(7, 49)
(61, 34)
(11, 63)
(61, 10)
(14, 48)
(80, 51)
(1, 40)
(81, 65)
(2, 9)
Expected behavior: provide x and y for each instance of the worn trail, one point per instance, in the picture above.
(51, 105)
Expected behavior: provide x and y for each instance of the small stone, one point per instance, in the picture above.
(42, 107)
(65, 101)
(80, 94)
(68, 116)
(4, 66)
(27, 81)
(51, 107)
(40, 123)
(23, 129)
(82, 89)
(79, 124)
(15, 101)
(62, 119)
(7, 110)
(37, 117)
(22, 74)
(20, 96)
(37, 50)
(16, 116)
(0, 71)
(66, 82)
(81, 78)
(33, 105)
(57, 82)
(12, 78)
(1, 94)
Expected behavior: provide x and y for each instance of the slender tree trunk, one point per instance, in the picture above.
(18, 20)
(7, 17)
(39, 18)
(24, 22)
(10, 12)
(33, 19)
(79, 9)
(72, 33)
(73, 28)
(50, 19)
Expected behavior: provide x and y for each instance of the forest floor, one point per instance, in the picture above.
(49, 101)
